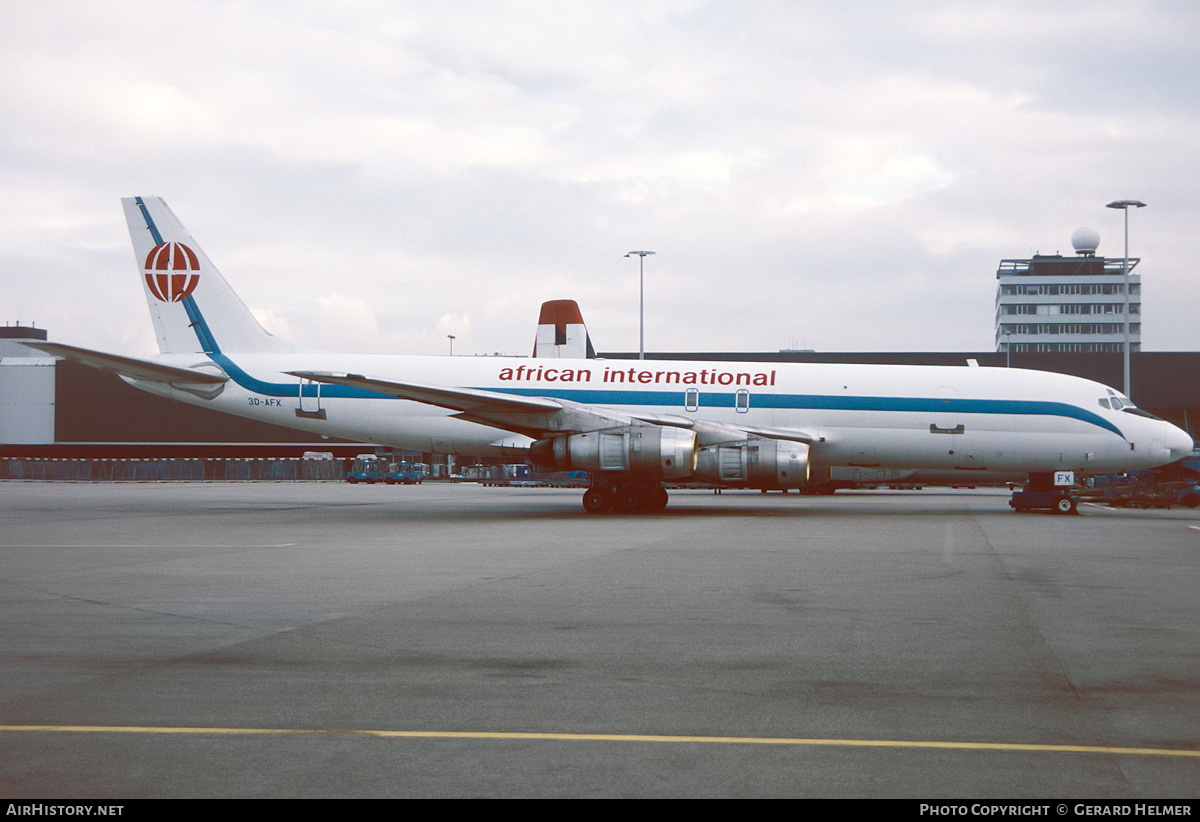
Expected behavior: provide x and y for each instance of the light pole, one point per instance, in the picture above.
(451, 338)
(641, 300)
(1125, 205)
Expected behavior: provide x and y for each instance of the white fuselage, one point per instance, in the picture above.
(871, 415)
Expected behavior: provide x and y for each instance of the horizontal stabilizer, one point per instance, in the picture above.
(131, 367)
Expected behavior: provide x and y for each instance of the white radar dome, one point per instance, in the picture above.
(1085, 240)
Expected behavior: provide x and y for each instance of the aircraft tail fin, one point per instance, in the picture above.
(561, 332)
(193, 308)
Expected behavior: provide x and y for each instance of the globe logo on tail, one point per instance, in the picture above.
(172, 271)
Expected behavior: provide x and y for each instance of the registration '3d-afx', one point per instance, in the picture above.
(755, 425)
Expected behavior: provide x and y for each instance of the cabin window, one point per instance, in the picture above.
(691, 399)
(741, 401)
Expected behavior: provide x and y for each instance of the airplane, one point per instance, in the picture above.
(632, 424)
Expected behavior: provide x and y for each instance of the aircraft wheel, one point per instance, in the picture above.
(658, 499)
(1064, 505)
(631, 499)
(595, 501)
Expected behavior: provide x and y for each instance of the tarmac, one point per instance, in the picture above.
(286, 639)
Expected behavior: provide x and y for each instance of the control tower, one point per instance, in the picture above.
(1055, 304)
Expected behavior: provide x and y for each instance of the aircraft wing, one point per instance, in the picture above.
(534, 417)
(460, 399)
(131, 367)
(714, 433)
(790, 434)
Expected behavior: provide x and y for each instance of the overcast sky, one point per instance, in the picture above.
(372, 176)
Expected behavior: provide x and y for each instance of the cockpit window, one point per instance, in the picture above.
(1116, 401)
(1119, 402)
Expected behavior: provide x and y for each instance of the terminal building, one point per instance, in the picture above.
(26, 388)
(1051, 304)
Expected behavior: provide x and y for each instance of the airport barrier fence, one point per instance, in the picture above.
(134, 470)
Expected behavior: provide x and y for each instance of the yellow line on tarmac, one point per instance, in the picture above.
(568, 737)
(158, 545)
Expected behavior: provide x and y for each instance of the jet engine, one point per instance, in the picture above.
(756, 463)
(648, 451)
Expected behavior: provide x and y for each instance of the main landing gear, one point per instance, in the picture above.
(625, 498)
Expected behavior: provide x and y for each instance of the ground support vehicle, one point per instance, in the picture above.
(366, 468)
(403, 473)
(1053, 492)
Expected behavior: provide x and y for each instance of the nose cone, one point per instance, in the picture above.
(1179, 443)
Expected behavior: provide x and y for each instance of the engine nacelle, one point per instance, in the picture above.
(646, 450)
(756, 463)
